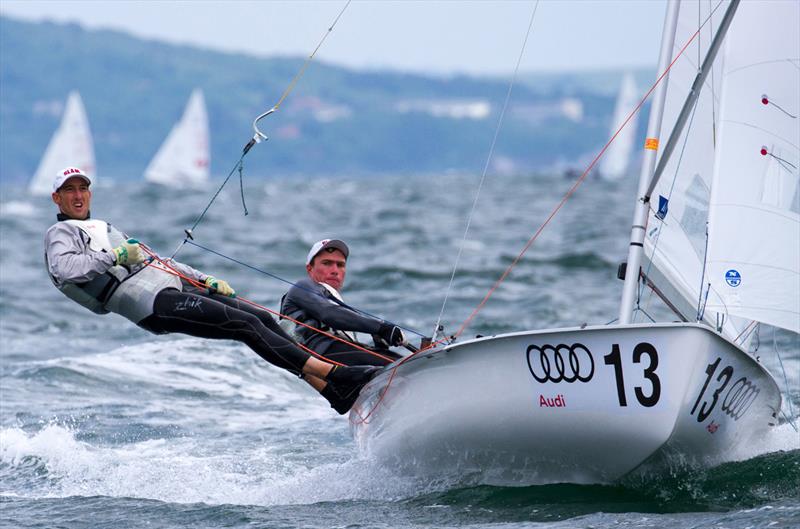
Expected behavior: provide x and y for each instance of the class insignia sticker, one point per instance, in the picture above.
(733, 278)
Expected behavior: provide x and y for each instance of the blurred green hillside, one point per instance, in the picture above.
(336, 121)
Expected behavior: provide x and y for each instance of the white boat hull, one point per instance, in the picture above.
(488, 410)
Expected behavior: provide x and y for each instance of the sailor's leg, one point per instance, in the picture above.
(345, 354)
(263, 315)
(205, 317)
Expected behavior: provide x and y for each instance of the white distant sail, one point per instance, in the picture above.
(614, 164)
(183, 159)
(71, 145)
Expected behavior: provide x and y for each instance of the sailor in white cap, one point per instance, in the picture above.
(99, 267)
(316, 301)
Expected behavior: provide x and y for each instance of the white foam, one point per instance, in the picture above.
(183, 471)
(218, 368)
(781, 438)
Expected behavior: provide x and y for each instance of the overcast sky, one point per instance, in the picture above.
(432, 36)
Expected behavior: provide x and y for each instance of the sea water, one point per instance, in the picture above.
(106, 426)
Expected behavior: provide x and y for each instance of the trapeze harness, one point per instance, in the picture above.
(127, 291)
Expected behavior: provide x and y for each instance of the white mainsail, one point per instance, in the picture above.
(735, 171)
(71, 145)
(754, 219)
(614, 164)
(183, 159)
(675, 246)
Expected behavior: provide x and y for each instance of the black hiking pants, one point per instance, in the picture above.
(204, 315)
(345, 354)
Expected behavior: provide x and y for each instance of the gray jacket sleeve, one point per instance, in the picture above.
(69, 258)
(311, 300)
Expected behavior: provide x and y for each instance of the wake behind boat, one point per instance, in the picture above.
(590, 405)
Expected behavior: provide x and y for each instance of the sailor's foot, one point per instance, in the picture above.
(347, 376)
(339, 403)
(344, 385)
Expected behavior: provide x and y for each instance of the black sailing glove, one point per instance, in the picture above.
(391, 334)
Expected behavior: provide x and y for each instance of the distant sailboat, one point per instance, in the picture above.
(614, 165)
(183, 159)
(71, 145)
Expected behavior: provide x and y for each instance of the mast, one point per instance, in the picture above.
(636, 248)
(694, 93)
(646, 183)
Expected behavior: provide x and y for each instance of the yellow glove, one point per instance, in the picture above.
(222, 287)
(128, 253)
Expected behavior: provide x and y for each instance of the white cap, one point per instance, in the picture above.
(327, 243)
(67, 173)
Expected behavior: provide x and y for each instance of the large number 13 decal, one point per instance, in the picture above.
(614, 358)
(725, 374)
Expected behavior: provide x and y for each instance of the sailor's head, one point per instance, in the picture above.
(326, 262)
(71, 193)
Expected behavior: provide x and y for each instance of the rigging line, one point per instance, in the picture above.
(259, 136)
(189, 231)
(746, 332)
(713, 91)
(785, 378)
(577, 183)
(669, 197)
(337, 301)
(485, 170)
(310, 57)
(161, 264)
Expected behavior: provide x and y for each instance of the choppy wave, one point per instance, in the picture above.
(184, 471)
(104, 425)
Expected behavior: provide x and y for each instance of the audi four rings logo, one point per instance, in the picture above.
(739, 398)
(560, 363)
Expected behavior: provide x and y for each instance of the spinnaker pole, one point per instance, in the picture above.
(636, 248)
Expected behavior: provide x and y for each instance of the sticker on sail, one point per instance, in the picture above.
(733, 278)
(663, 207)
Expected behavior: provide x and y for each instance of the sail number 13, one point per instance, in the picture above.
(644, 349)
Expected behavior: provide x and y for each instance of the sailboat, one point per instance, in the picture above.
(71, 145)
(617, 159)
(594, 404)
(183, 160)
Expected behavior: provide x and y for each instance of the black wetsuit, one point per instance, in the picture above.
(197, 313)
(311, 303)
